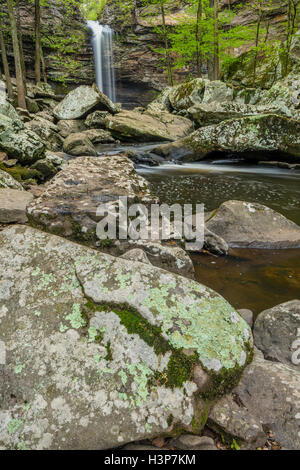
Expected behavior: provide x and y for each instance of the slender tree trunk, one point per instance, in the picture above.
(216, 41)
(16, 48)
(168, 58)
(199, 38)
(44, 70)
(5, 66)
(20, 39)
(37, 63)
(256, 45)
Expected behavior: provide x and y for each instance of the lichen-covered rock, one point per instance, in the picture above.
(13, 205)
(267, 398)
(7, 181)
(70, 126)
(277, 333)
(19, 142)
(70, 201)
(88, 372)
(82, 100)
(97, 120)
(266, 134)
(99, 136)
(244, 224)
(47, 131)
(78, 145)
(144, 127)
(207, 114)
(199, 91)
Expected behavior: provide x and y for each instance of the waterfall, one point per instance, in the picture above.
(102, 42)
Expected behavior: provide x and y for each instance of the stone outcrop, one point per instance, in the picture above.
(266, 134)
(88, 371)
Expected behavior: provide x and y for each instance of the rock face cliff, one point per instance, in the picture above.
(73, 62)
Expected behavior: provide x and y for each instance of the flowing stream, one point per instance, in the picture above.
(255, 279)
(102, 42)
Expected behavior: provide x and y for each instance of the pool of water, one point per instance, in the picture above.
(255, 279)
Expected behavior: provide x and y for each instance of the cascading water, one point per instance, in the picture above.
(102, 42)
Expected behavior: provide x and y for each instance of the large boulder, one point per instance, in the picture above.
(277, 333)
(19, 142)
(97, 120)
(13, 205)
(267, 398)
(265, 134)
(149, 126)
(69, 205)
(207, 114)
(96, 351)
(78, 145)
(99, 136)
(252, 225)
(82, 100)
(7, 181)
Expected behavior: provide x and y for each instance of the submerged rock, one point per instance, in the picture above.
(7, 181)
(277, 333)
(244, 224)
(91, 373)
(267, 398)
(266, 134)
(82, 100)
(13, 205)
(78, 145)
(145, 127)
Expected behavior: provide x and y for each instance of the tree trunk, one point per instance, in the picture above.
(5, 66)
(37, 63)
(199, 38)
(216, 41)
(168, 58)
(20, 39)
(43, 66)
(16, 48)
(256, 46)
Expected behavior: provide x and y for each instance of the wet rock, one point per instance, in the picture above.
(82, 100)
(70, 126)
(13, 205)
(7, 181)
(143, 447)
(247, 315)
(265, 134)
(277, 333)
(214, 243)
(244, 224)
(78, 145)
(191, 442)
(267, 398)
(130, 125)
(97, 120)
(68, 352)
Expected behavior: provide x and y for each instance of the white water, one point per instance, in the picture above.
(102, 42)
